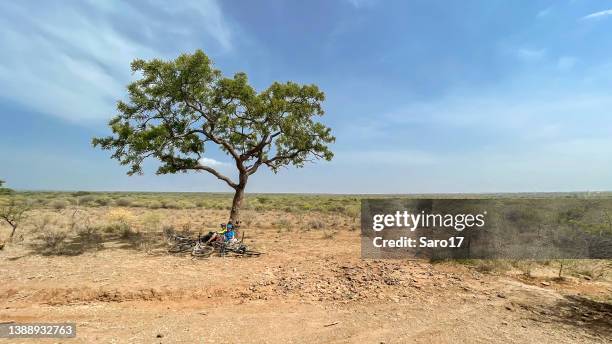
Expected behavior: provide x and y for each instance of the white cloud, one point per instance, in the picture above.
(74, 63)
(529, 137)
(599, 14)
(212, 162)
(208, 12)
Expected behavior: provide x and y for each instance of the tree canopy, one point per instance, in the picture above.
(179, 106)
(4, 190)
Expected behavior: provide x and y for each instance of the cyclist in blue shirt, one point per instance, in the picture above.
(226, 234)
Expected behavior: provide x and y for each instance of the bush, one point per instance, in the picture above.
(593, 269)
(123, 202)
(152, 203)
(90, 235)
(187, 205)
(114, 228)
(120, 228)
(86, 199)
(169, 232)
(6, 191)
(353, 213)
(316, 224)
(121, 216)
(102, 201)
(59, 204)
(52, 239)
(338, 209)
(126, 231)
(171, 205)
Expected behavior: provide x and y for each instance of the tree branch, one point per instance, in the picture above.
(265, 140)
(281, 157)
(213, 138)
(172, 161)
(217, 174)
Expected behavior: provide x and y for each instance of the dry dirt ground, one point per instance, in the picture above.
(309, 289)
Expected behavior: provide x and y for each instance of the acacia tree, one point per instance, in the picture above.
(4, 190)
(12, 213)
(179, 106)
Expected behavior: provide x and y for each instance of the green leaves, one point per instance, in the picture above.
(3, 190)
(179, 106)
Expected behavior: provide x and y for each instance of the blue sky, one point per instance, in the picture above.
(423, 96)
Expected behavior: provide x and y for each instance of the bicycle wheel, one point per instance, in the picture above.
(183, 240)
(220, 247)
(202, 251)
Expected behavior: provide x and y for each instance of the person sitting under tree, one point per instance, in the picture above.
(226, 234)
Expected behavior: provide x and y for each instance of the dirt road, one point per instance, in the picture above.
(311, 290)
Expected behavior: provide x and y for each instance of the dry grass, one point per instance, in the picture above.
(71, 223)
(65, 224)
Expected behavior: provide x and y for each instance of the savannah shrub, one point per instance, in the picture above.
(123, 202)
(59, 204)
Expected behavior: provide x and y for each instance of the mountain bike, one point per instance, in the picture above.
(199, 247)
(183, 244)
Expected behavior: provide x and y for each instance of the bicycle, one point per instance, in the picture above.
(201, 249)
(183, 244)
(237, 249)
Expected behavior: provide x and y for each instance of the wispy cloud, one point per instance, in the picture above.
(527, 54)
(517, 113)
(545, 12)
(506, 139)
(206, 12)
(599, 14)
(212, 162)
(74, 63)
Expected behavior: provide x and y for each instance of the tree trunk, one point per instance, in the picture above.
(237, 203)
